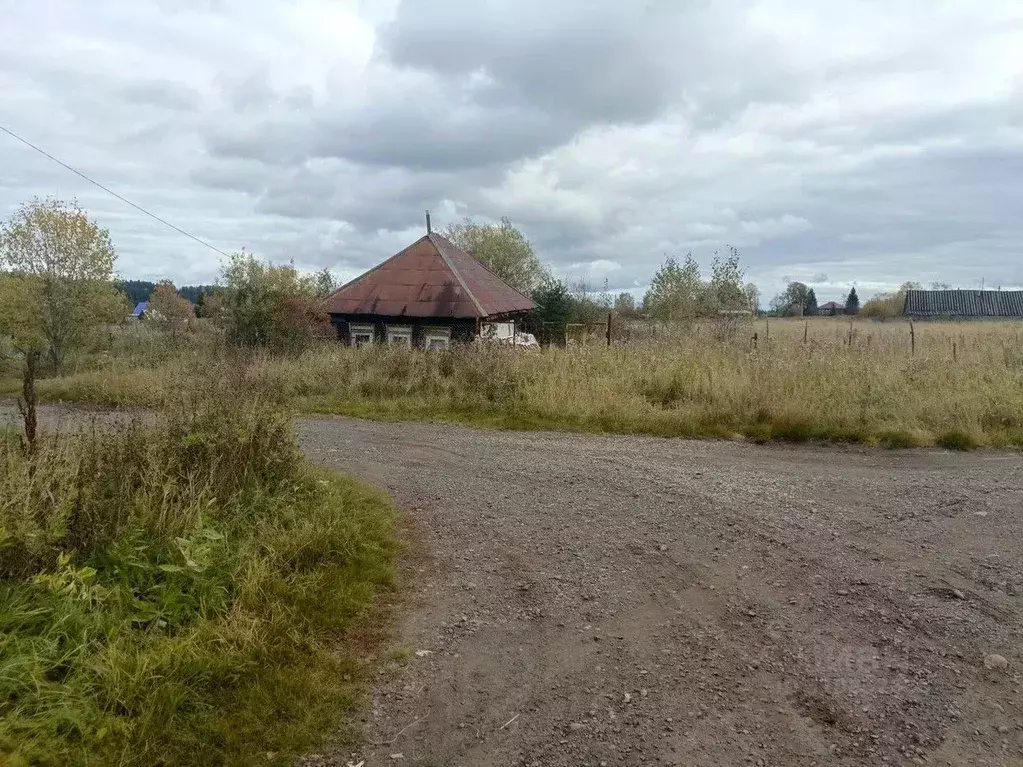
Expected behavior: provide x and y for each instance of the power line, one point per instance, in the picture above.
(139, 208)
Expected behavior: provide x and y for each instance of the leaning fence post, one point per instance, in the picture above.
(912, 340)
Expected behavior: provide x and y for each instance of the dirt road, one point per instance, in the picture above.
(628, 601)
(603, 600)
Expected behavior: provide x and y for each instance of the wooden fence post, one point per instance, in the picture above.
(955, 354)
(912, 340)
(754, 341)
(806, 330)
(768, 334)
(609, 328)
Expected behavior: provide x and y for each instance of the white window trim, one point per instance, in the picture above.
(399, 331)
(437, 334)
(361, 330)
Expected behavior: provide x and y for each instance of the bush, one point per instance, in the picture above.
(171, 588)
(271, 306)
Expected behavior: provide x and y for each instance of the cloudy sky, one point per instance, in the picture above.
(839, 142)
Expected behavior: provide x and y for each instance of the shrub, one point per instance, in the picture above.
(171, 586)
(271, 306)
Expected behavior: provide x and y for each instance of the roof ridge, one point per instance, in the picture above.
(480, 263)
(455, 271)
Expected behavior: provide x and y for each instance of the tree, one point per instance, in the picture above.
(625, 304)
(270, 306)
(888, 305)
(136, 290)
(940, 286)
(752, 294)
(725, 291)
(211, 306)
(793, 300)
(852, 303)
(810, 305)
(325, 283)
(195, 293)
(554, 299)
(169, 307)
(675, 290)
(503, 249)
(64, 263)
(882, 306)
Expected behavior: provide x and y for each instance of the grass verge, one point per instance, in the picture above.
(187, 592)
(854, 383)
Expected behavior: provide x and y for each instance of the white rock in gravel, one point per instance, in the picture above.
(995, 662)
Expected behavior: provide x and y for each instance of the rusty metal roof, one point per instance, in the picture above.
(964, 303)
(431, 278)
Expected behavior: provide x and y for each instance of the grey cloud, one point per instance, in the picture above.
(162, 93)
(856, 140)
(431, 135)
(600, 62)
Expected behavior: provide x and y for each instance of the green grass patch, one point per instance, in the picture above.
(184, 593)
(956, 439)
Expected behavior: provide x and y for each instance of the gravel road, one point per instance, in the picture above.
(620, 600)
(581, 600)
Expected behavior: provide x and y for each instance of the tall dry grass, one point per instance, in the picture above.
(173, 588)
(955, 384)
(857, 381)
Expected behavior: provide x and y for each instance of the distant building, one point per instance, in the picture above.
(140, 312)
(431, 294)
(992, 304)
(830, 309)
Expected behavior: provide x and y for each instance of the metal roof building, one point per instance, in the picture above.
(964, 303)
(428, 294)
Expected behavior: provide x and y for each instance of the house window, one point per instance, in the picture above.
(360, 335)
(437, 338)
(399, 334)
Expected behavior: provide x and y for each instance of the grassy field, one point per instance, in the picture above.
(955, 385)
(184, 591)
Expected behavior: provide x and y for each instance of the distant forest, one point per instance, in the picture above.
(140, 290)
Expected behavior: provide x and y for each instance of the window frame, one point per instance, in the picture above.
(400, 331)
(437, 333)
(358, 329)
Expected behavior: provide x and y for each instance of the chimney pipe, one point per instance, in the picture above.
(428, 228)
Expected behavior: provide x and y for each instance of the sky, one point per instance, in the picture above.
(864, 142)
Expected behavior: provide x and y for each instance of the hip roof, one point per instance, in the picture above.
(431, 278)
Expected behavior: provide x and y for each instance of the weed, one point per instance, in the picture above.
(180, 590)
(860, 384)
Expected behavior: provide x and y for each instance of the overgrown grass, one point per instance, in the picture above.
(857, 381)
(182, 591)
